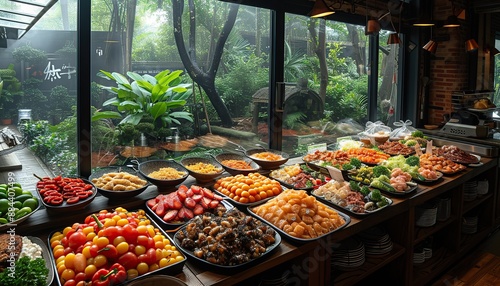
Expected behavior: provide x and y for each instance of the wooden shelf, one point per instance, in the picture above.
(421, 233)
(371, 265)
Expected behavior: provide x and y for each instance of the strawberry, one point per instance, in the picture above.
(182, 194)
(208, 193)
(188, 213)
(198, 209)
(170, 215)
(151, 203)
(189, 193)
(160, 210)
(189, 203)
(213, 204)
(196, 189)
(218, 197)
(197, 197)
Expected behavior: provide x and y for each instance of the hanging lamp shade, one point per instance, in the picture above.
(320, 9)
(471, 45)
(372, 27)
(451, 22)
(424, 22)
(393, 39)
(431, 46)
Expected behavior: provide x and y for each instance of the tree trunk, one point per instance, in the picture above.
(131, 8)
(358, 53)
(318, 43)
(206, 79)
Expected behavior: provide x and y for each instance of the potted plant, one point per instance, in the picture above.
(10, 88)
(147, 103)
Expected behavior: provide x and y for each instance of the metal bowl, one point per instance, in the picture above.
(118, 194)
(267, 164)
(148, 167)
(254, 167)
(202, 177)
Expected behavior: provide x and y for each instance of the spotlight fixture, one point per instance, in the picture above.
(451, 22)
(320, 9)
(431, 46)
(471, 45)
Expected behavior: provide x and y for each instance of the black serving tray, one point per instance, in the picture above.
(169, 270)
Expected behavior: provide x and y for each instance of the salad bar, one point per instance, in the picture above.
(216, 227)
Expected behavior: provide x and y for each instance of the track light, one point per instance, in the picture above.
(320, 9)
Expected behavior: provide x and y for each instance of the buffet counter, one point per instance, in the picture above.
(311, 260)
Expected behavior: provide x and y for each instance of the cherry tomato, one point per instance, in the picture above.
(151, 254)
(128, 260)
(112, 232)
(130, 233)
(80, 276)
(70, 282)
(79, 263)
(76, 239)
(109, 251)
(142, 240)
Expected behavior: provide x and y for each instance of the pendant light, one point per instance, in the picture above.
(431, 45)
(320, 9)
(451, 22)
(393, 38)
(471, 45)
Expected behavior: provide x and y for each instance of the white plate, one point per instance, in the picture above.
(477, 164)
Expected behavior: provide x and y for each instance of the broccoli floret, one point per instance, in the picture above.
(364, 191)
(354, 185)
(381, 170)
(347, 167)
(383, 202)
(376, 196)
(413, 160)
(418, 133)
(355, 162)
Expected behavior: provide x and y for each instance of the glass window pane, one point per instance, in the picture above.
(388, 80)
(326, 72)
(224, 107)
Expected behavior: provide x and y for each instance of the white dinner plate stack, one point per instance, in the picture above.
(470, 191)
(469, 224)
(444, 209)
(426, 215)
(482, 188)
(350, 253)
(278, 279)
(376, 241)
(418, 256)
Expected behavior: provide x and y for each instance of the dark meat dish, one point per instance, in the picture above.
(456, 154)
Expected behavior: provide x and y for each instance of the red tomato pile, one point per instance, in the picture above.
(54, 191)
(184, 203)
(109, 248)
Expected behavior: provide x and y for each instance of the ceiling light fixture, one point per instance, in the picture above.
(320, 9)
(431, 46)
(451, 22)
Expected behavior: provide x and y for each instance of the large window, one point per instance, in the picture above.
(216, 92)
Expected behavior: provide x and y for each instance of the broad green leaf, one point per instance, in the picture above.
(145, 84)
(157, 92)
(182, 96)
(121, 79)
(105, 74)
(162, 74)
(151, 79)
(111, 101)
(182, 114)
(132, 119)
(105, 114)
(135, 76)
(158, 109)
(170, 78)
(175, 103)
(129, 105)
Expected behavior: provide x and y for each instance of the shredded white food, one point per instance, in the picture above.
(30, 249)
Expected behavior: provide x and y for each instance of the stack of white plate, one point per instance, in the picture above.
(470, 191)
(444, 209)
(350, 253)
(469, 224)
(418, 256)
(278, 279)
(482, 187)
(376, 241)
(426, 215)
(427, 252)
